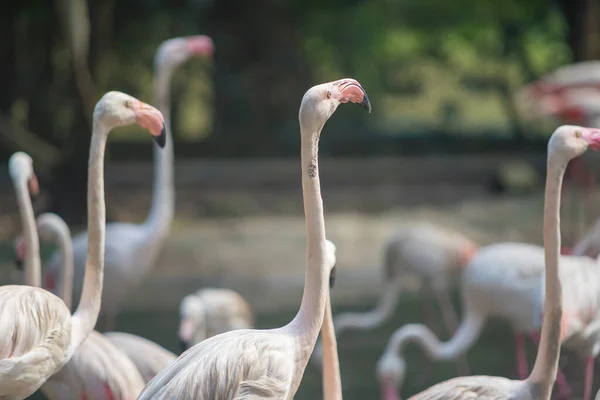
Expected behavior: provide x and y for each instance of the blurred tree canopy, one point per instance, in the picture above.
(431, 67)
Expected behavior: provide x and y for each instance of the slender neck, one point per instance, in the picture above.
(308, 321)
(65, 248)
(160, 217)
(420, 334)
(546, 363)
(33, 270)
(86, 315)
(332, 383)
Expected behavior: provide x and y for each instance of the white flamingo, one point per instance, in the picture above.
(132, 249)
(98, 370)
(566, 143)
(39, 333)
(270, 363)
(209, 312)
(426, 251)
(332, 382)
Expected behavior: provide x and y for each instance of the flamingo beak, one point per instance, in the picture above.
(332, 277)
(49, 282)
(351, 90)
(592, 136)
(186, 331)
(466, 253)
(19, 253)
(388, 391)
(34, 187)
(200, 45)
(150, 118)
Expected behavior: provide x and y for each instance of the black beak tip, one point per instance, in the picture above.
(19, 264)
(162, 138)
(365, 103)
(332, 277)
(183, 346)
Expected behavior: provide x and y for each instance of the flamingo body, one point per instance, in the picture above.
(148, 357)
(97, 371)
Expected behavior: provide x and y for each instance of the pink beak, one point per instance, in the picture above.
(34, 187)
(352, 91)
(592, 136)
(200, 45)
(466, 253)
(150, 118)
(49, 282)
(388, 391)
(186, 329)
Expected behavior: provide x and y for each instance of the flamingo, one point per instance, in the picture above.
(132, 249)
(39, 333)
(566, 143)
(427, 251)
(248, 363)
(332, 382)
(209, 312)
(98, 370)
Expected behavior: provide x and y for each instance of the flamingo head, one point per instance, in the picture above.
(391, 370)
(571, 141)
(174, 52)
(120, 109)
(320, 101)
(192, 325)
(20, 168)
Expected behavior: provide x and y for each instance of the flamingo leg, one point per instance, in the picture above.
(522, 367)
(564, 389)
(589, 377)
(450, 319)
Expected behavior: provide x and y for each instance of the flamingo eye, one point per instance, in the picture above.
(578, 134)
(329, 94)
(128, 103)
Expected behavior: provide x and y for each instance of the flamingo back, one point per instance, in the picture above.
(148, 357)
(240, 365)
(35, 339)
(98, 370)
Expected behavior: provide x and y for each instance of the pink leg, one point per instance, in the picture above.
(564, 389)
(522, 368)
(589, 377)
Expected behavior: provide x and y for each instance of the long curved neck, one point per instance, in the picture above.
(546, 362)
(65, 248)
(373, 318)
(463, 339)
(33, 269)
(307, 323)
(86, 315)
(332, 383)
(160, 217)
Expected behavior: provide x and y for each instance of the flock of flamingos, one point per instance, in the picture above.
(551, 297)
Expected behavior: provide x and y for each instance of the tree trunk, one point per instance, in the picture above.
(582, 20)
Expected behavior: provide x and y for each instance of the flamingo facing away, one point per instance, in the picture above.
(132, 249)
(39, 333)
(332, 382)
(209, 312)
(566, 143)
(98, 370)
(148, 357)
(427, 251)
(270, 363)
